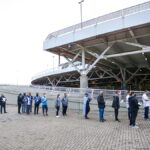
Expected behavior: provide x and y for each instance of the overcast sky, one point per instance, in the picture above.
(24, 24)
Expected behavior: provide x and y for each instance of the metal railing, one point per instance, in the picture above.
(75, 95)
(100, 19)
(56, 70)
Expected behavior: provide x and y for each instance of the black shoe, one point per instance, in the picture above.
(86, 117)
(118, 120)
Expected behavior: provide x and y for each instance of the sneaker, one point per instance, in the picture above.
(86, 117)
(103, 120)
(57, 116)
(136, 127)
(118, 120)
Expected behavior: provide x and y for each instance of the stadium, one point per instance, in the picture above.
(110, 52)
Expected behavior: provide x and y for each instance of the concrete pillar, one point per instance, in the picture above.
(83, 81)
(83, 59)
(124, 85)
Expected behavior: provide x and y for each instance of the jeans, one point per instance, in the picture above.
(28, 109)
(64, 110)
(133, 117)
(101, 114)
(24, 108)
(116, 113)
(57, 110)
(19, 107)
(36, 108)
(129, 113)
(146, 112)
(45, 109)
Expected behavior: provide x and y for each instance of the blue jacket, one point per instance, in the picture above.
(44, 101)
(65, 101)
(58, 102)
(100, 101)
(37, 99)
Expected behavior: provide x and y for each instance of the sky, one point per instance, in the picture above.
(24, 24)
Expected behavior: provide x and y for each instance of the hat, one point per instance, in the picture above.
(86, 94)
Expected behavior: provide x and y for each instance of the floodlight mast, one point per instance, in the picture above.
(81, 11)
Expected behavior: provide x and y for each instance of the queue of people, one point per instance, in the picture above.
(133, 107)
(25, 104)
(25, 101)
(64, 102)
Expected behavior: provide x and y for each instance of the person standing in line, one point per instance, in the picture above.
(86, 105)
(0, 104)
(29, 99)
(101, 106)
(24, 103)
(116, 105)
(37, 101)
(64, 104)
(3, 103)
(19, 102)
(146, 104)
(134, 106)
(57, 105)
(127, 104)
(44, 105)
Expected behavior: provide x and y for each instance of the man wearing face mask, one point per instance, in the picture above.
(146, 103)
(134, 106)
(44, 105)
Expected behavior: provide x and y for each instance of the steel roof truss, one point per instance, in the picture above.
(133, 35)
(123, 73)
(144, 50)
(58, 81)
(76, 56)
(111, 74)
(51, 82)
(143, 79)
(133, 74)
(73, 64)
(101, 56)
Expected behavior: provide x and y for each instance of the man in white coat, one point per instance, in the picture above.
(146, 104)
(127, 104)
(86, 105)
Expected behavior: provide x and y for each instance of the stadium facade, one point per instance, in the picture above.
(110, 51)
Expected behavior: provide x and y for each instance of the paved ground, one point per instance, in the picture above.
(22, 132)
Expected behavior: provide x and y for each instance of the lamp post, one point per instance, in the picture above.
(81, 10)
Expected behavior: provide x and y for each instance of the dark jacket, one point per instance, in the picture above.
(133, 103)
(20, 98)
(3, 100)
(0, 100)
(100, 101)
(116, 103)
(37, 100)
(88, 105)
(65, 101)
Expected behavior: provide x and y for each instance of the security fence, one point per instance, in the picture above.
(75, 95)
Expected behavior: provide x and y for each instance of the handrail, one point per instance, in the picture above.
(110, 16)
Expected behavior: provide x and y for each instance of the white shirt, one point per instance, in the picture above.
(127, 101)
(146, 100)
